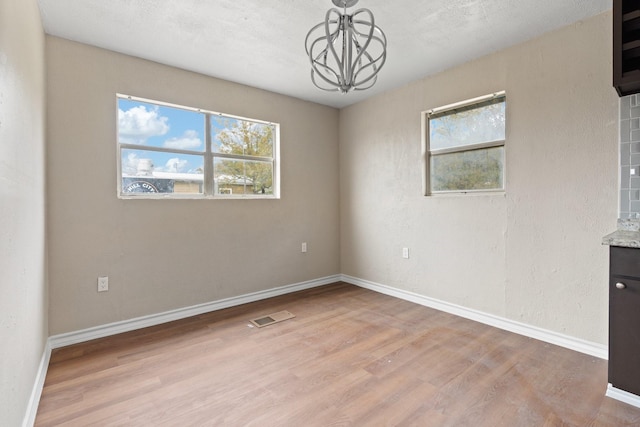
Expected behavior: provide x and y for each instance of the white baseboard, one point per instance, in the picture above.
(36, 392)
(623, 396)
(69, 338)
(76, 337)
(572, 343)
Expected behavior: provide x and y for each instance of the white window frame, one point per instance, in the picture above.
(208, 156)
(427, 153)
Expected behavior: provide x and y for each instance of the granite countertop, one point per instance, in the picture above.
(627, 235)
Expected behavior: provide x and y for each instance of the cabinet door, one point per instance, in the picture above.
(624, 333)
(626, 46)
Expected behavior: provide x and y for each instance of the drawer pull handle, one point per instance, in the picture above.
(620, 285)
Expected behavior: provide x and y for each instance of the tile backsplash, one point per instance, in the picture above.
(630, 156)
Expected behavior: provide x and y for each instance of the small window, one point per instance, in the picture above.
(464, 145)
(169, 151)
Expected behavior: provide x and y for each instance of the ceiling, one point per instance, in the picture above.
(260, 43)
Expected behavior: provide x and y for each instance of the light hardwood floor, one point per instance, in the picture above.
(350, 357)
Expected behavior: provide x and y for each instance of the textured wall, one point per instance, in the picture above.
(532, 254)
(166, 254)
(23, 291)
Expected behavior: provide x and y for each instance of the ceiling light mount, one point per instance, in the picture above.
(346, 51)
(345, 3)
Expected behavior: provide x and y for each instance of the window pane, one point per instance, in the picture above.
(152, 125)
(469, 125)
(146, 171)
(172, 149)
(235, 136)
(238, 177)
(468, 170)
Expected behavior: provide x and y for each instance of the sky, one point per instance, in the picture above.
(151, 125)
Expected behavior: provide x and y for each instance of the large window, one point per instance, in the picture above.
(464, 146)
(168, 151)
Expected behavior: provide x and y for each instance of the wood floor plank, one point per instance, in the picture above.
(350, 357)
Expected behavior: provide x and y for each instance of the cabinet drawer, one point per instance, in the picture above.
(624, 261)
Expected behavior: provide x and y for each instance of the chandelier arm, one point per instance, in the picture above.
(313, 80)
(323, 51)
(358, 88)
(376, 63)
(371, 80)
(319, 72)
(372, 27)
(318, 62)
(326, 68)
(339, 61)
(382, 55)
(382, 38)
(311, 48)
(347, 37)
(376, 68)
(370, 38)
(371, 63)
(362, 86)
(306, 40)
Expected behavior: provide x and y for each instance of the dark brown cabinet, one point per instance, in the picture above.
(626, 46)
(624, 319)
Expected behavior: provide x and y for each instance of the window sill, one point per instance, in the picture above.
(197, 197)
(470, 193)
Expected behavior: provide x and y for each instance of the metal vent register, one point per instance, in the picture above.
(272, 318)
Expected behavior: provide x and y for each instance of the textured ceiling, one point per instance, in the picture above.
(261, 42)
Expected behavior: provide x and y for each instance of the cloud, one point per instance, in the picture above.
(136, 166)
(175, 165)
(136, 125)
(133, 165)
(130, 164)
(188, 141)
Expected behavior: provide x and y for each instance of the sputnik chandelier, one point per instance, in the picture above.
(346, 51)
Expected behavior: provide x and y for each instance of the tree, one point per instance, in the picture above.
(468, 170)
(470, 166)
(468, 125)
(244, 138)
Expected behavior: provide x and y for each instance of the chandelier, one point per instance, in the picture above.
(346, 51)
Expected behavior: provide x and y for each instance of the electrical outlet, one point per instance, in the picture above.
(103, 284)
(405, 253)
(304, 247)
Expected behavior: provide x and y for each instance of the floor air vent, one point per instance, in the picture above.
(272, 318)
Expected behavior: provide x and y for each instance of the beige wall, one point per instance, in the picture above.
(23, 290)
(533, 254)
(167, 254)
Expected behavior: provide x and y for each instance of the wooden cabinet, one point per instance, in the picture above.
(626, 46)
(624, 319)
